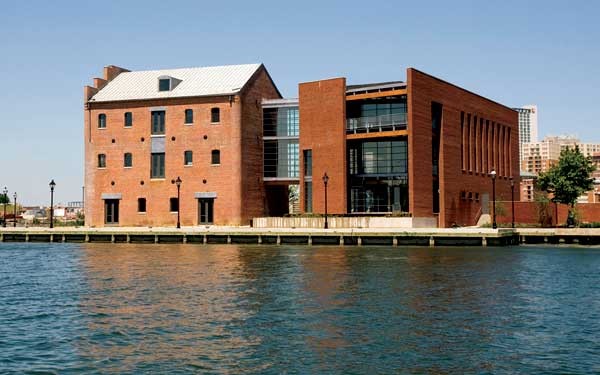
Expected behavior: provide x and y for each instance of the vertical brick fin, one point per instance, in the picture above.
(111, 71)
(322, 106)
(422, 90)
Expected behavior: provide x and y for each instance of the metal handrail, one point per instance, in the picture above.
(392, 121)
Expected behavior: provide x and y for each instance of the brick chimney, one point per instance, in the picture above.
(111, 71)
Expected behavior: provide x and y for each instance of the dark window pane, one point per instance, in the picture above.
(308, 196)
(157, 168)
(141, 204)
(128, 119)
(128, 160)
(308, 163)
(215, 157)
(187, 157)
(189, 116)
(101, 121)
(101, 161)
(158, 122)
(174, 204)
(215, 115)
(164, 84)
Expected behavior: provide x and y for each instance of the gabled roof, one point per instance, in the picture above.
(203, 81)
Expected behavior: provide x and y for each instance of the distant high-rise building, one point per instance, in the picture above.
(539, 156)
(528, 126)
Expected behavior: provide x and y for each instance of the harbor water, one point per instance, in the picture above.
(236, 309)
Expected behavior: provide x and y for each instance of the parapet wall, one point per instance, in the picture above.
(533, 213)
(345, 222)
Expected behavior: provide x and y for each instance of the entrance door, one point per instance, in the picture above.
(111, 211)
(205, 210)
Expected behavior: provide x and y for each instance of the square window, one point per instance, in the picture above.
(188, 158)
(158, 122)
(141, 204)
(128, 119)
(189, 116)
(101, 121)
(164, 84)
(215, 157)
(157, 165)
(174, 204)
(215, 115)
(101, 160)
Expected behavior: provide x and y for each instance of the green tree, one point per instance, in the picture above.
(570, 178)
(4, 199)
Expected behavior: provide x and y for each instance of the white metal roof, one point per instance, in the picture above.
(203, 81)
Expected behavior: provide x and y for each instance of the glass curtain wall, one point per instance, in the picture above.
(281, 152)
(378, 176)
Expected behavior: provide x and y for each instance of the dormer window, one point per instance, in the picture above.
(167, 83)
(164, 84)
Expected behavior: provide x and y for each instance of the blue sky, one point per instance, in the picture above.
(515, 52)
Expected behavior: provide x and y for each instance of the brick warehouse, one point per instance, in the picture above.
(422, 148)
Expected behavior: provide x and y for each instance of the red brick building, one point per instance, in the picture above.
(145, 129)
(422, 148)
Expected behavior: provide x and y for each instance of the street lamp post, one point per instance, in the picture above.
(15, 210)
(325, 181)
(5, 194)
(512, 198)
(52, 185)
(177, 183)
(493, 175)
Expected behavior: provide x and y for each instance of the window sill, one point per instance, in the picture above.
(157, 135)
(127, 167)
(141, 213)
(128, 126)
(101, 167)
(215, 123)
(173, 212)
(188, 165)
(215, 165)
(104, 128)
(188, 123)
(157, 179)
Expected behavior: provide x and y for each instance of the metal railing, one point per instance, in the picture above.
(389, 122)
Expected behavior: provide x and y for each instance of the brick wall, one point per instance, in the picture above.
(323, 129)
(528, 213)
(422, 91)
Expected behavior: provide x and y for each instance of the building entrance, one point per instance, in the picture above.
(206, 210)
(111, 211)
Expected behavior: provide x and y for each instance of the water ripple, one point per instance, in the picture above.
(131, 309)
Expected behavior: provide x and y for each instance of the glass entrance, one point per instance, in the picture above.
(205, 210)
(111, 211)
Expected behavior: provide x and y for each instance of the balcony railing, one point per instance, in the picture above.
(389, 122)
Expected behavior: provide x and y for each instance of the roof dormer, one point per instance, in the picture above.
(167, 83)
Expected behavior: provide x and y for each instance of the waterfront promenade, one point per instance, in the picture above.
(470, 236)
